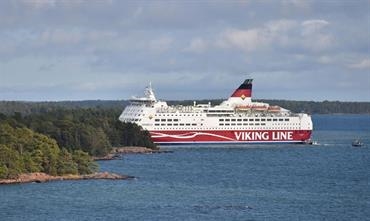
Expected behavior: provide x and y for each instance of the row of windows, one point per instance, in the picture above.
(232, 119)
(255, 119)
(132, 119)
(169, 120)
(221, 124)
(176, 115)
(188, 124)
(244, 124)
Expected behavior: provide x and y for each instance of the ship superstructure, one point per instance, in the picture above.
(236, 120)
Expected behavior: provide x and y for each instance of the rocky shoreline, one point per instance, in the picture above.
(117, 152)
(43, 177)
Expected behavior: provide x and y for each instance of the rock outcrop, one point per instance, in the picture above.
(117, 152)
(43, 177)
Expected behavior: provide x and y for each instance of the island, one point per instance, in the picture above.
(65, 150)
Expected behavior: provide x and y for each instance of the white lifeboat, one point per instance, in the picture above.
(274, 109)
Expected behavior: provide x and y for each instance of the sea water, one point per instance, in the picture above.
(328, 181)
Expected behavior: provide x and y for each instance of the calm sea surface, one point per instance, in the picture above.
(329, 181)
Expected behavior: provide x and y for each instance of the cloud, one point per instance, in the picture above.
(40, 4)
(79, 44)
(300, 4)
(160, 44)
(364, 64)
(309, 35)
(313, 26)
(197, 45)
(247, 40)
(62, 36)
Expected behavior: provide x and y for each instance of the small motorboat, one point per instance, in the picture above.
(311, 142)
(357, 143)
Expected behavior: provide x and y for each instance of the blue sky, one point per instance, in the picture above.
(110, 49)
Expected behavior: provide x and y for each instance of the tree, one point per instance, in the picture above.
(84, 163)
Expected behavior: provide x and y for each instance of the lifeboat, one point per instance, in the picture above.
(243, 107)
(274, 109)
(259, 107)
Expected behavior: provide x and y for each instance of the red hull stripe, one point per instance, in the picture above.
(237, 136)
(242, 92)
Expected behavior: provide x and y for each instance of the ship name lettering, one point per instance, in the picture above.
(281, 135)
(252, 135)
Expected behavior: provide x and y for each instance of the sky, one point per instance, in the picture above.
(309, 50)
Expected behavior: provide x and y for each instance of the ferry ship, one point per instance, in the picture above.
(236, 120)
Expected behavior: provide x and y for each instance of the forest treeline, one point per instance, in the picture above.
(25, 151)
(312, 107)
(62, 141)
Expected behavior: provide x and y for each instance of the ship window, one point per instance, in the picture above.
(251, 124)
(263, 119)
(169, 124)
(280, 119)
(175, 119)
(239, 119)
(169, 119)
(239, 124)
(286, 119)
(221, 124)
(233, 124)
(245, 124)
(221, 119)
(193, 124)
(257, 124)
(175, 124)
(156, 124)
(232, 119)
(268, 119)
(251, 119)
(274, 119)
(257, 119)
(245, 119)
(227, 119)
(181, 124)
(156, 119)
(187, 124)
(163, 124)
(263, 124)
(227, 124)
(163, 119)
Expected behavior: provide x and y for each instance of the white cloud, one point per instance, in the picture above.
(364, 64)
(325, 59)
(71, 42)
(315, 37)
(40, 4)
(309, 35)
(160, 44)
(197, 45)
(247, 40)
(313, 26)
(291, 6)
(62, 36)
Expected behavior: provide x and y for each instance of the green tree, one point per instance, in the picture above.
(85, 165)
(66, 165)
